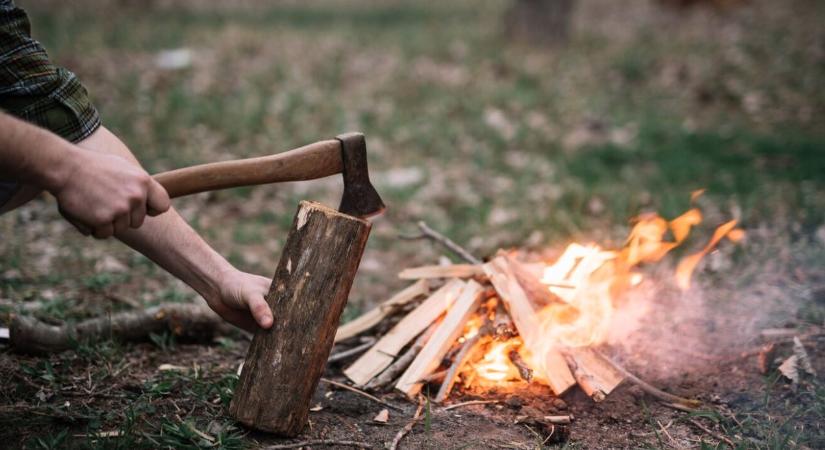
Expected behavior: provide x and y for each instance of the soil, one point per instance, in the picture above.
(628, 418)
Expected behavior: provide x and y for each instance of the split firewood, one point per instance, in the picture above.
(374, 316)
(434, 377)
(391, 373)
(538, 293)
(308, 293)
(596, 376)
(184, 320)
(382, 354)
(554, 367)
(429, 233)
(468, 349)
(451, 271)
(446, 334)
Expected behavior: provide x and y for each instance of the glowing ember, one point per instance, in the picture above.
(495, 365)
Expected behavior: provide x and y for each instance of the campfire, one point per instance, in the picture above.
(520, 317)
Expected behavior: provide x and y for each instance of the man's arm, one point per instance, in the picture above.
(97, 180)
(171, 243)
(100, 194)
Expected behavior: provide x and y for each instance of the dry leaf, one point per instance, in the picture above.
(802, 358)
(316, 408)
(383, 416)
(788, 368)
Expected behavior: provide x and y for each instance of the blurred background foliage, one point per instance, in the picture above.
(500, 123)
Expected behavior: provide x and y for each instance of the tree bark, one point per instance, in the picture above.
(307, 296)
(183, 320)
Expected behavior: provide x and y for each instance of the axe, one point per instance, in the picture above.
(312, 282)
(346, 154)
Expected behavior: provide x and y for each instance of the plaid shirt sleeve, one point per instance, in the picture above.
(34, 89)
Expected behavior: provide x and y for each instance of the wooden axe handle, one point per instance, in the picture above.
(309, 162)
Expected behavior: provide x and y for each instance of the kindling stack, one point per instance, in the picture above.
(463, 310)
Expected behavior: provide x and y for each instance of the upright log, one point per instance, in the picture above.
(307, 296)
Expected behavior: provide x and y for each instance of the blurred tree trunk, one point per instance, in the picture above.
(541, 22)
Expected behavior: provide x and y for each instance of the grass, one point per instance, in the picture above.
(512, 142)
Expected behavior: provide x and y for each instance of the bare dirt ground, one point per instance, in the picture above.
(497, 144)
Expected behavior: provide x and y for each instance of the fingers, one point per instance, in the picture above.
(157, 201)
(121, 223)
(260, 311)
(239, 318)
(137, 215)
(104, 231)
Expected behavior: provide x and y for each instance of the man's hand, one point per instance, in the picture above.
(103, 195)
(102, 192)
(240, 300)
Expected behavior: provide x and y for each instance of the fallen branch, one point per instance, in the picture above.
(712, 433)
(352, 352)
(559, 420)
(470, 403)
(360, 392)
(184, 320)
(408, 427)
(429, 233)
(326, 442)
(524, 371)
(655, 392)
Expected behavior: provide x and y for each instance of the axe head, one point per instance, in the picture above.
(360, 198)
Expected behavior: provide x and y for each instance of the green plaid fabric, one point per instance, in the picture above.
(34, 89)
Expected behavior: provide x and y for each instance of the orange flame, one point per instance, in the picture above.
(588, 280)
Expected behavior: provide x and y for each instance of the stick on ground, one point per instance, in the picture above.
(429, 233)
(324, 442)
(655, 392)
(408, 427)
(360, 392)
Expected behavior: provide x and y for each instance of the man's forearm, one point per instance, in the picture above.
(167, 239)
(32, 155)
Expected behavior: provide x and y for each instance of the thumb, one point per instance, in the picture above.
(157, 200)
(260, 311)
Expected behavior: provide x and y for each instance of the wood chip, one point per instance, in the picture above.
(382, 417)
